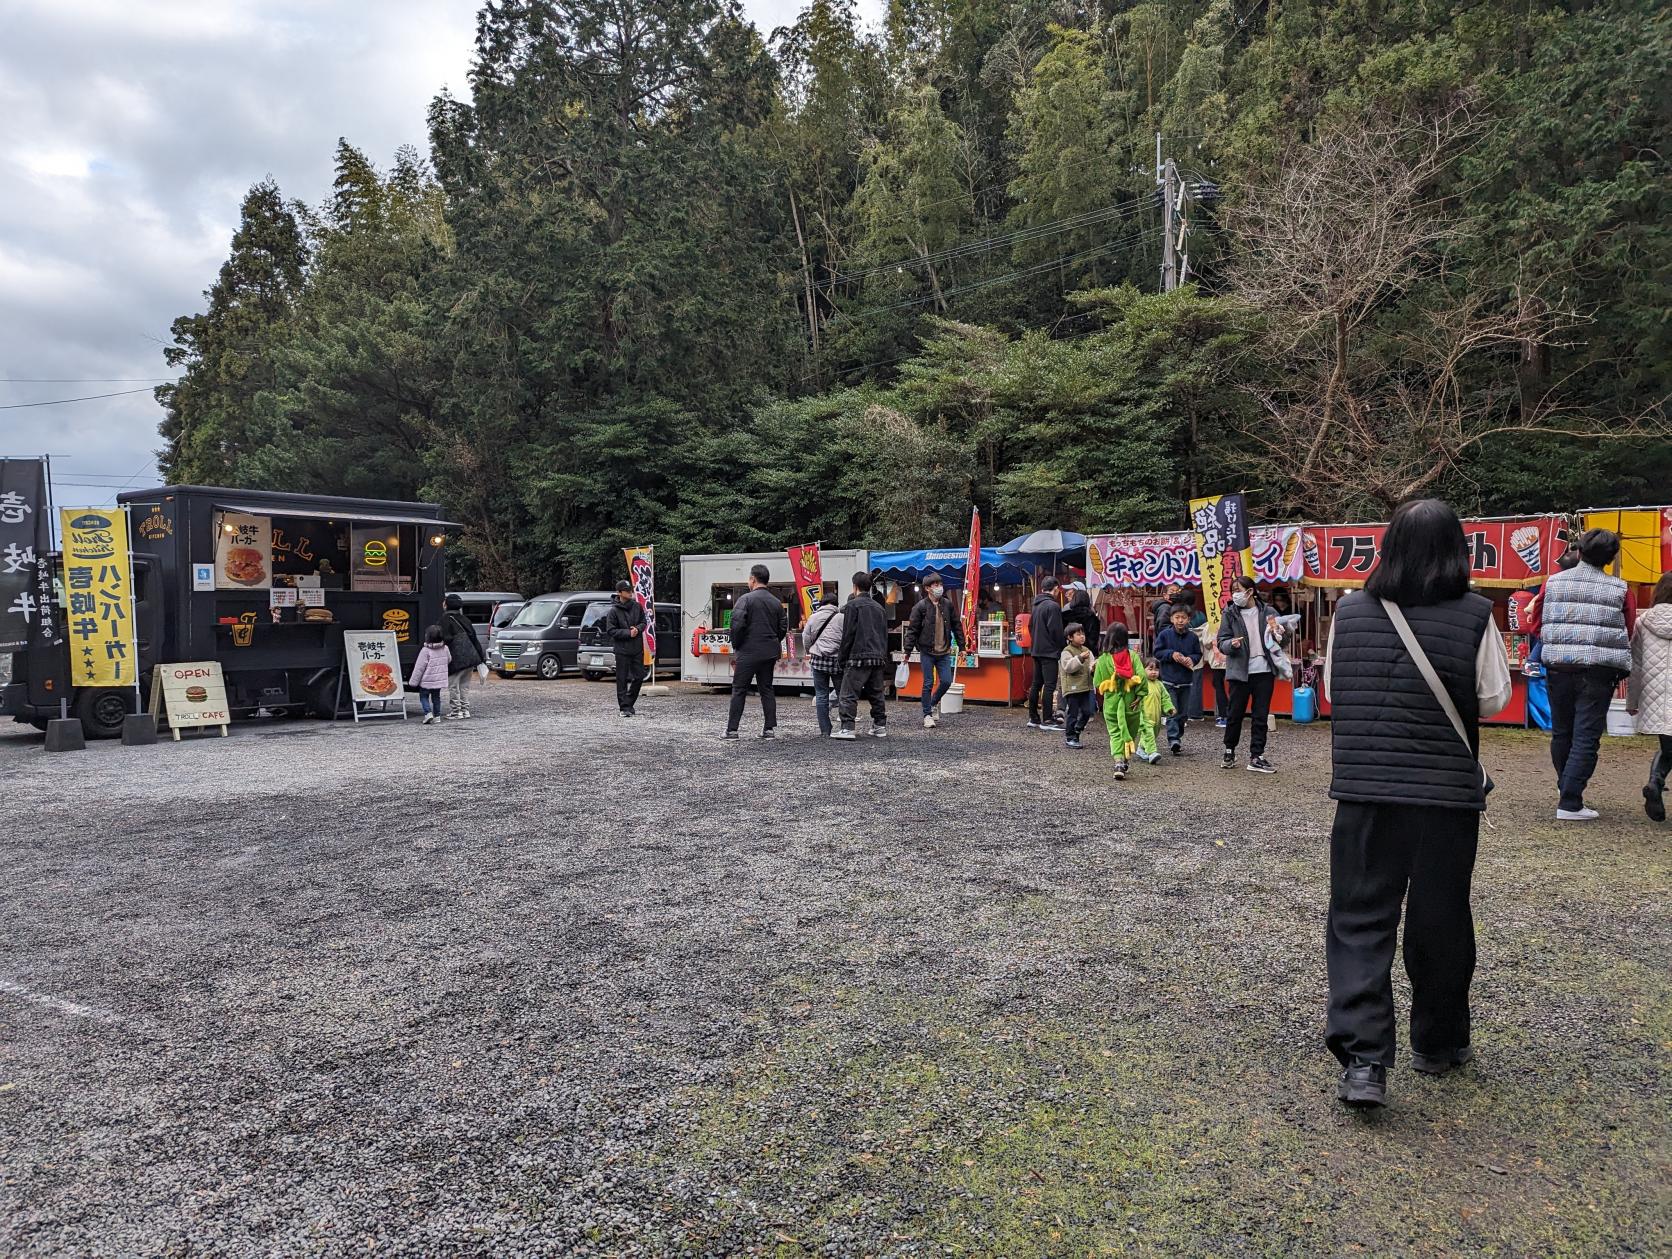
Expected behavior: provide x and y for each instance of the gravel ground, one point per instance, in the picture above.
(552, 982)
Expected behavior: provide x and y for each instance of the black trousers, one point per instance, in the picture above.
(1660, 768)
(756, 672)
(1258, 688)
(1382, 855)
(629, 677)
(1578, 717)
(871, 681)
(1044, 683)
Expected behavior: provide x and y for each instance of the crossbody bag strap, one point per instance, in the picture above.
(1420, 658)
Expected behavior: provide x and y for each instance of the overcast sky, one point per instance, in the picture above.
(129, 133)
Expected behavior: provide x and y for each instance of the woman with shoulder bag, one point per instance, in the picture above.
(464, 654)
(1414, 662)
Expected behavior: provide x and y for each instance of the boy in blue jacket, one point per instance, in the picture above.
(1179, 652)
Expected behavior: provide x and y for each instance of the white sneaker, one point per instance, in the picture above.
(843, 732)
(1586, 814)
(929, 722)
(429, 719)
(464, 714)
(879, 732)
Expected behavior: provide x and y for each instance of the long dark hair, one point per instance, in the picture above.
(1424, 557)
(1116, 638)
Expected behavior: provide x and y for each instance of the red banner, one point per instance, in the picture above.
(809, 576)
(970, 608)
(1517, 552)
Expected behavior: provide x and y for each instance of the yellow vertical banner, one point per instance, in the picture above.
(1220, 524)
(98, 593)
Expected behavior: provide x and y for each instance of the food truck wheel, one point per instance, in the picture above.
(322, 697)
(550, 667)
(102, 711)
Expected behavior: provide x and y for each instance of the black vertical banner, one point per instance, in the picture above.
(26, 611)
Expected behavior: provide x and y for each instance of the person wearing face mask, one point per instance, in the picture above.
(1249, 675)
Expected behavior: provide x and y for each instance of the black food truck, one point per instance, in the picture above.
(263, 582)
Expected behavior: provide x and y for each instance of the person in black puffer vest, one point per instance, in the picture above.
(1409, 797)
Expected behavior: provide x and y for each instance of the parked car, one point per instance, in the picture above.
(543, 638)
(503, 615)
(597, 653)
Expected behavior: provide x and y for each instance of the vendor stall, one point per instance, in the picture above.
(1506, 554)
(1129, 574)
(999, 670)
(710, 584)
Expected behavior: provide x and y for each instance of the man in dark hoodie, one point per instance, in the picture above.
(757, 634)
(1045, 624)
(864, 659)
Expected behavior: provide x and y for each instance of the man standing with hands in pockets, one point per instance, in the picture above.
(624, 623)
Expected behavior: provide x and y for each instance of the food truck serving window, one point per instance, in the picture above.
(257, 552)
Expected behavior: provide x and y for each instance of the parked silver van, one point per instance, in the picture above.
(543, 639)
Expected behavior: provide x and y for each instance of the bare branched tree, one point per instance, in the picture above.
(1381, 368)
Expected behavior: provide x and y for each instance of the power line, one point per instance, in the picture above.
(1084, 219)
(1037, 269)
(58, 402)
(86, 380)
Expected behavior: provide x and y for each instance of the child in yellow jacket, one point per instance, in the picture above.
(1154, 709)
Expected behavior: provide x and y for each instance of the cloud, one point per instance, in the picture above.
(129, 134)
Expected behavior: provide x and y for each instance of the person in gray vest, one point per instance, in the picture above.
(1409, 793)
(1585, 624)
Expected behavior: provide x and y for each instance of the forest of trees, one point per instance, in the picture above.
(668, 279)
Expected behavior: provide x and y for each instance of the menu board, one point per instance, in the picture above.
(243, 552)
(373, 661)
(191, 694)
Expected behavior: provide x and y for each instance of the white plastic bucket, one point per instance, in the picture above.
(953, 700)
(1620, 722)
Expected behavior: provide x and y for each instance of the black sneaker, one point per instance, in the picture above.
(626, 712)
(1260, 765)
(1074, 743)
(769, 734)
(1228, 759)
(1654, 804)
(730, 734)
(1177, 749)
(1439, 1064)
(1364, 1086)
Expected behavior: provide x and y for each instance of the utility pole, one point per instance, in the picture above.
(1173, 225)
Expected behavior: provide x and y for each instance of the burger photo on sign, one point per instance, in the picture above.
(377, 678)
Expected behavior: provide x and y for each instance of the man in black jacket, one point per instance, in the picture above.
(1045, 624)
(758, 626)
(864, 659)
(934, 631)
(624, 624)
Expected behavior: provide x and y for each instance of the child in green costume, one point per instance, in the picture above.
(1154, 708)
(1119, 680)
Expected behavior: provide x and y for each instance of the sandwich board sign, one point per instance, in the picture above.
(191, 695)
(372, 663)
